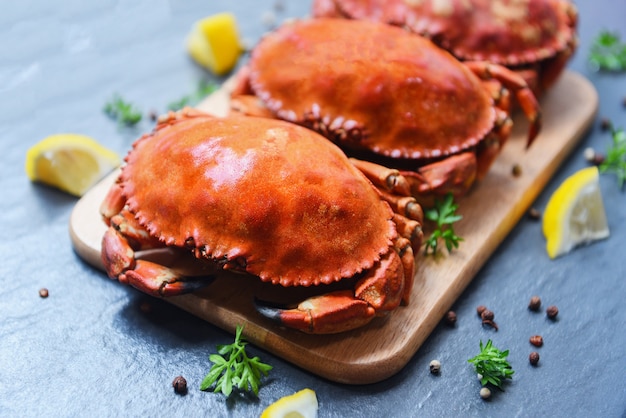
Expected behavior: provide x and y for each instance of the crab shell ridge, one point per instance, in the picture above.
(257, 195)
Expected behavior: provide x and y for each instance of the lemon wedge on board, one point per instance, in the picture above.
(575, 213)
(70, 162)
(214, 43)
(302, 404)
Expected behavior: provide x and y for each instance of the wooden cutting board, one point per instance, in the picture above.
(384, 346)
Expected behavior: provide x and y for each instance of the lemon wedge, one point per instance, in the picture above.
(214, 43)
(575, 213)
(302, 404)
(70, 162)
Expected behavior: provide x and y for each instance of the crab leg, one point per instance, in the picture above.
(455, 174)
(513, 81)
(388, 178)
(381, 290)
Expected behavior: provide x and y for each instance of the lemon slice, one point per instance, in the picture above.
(302, 404)
(70, 162)
(575, 213)
(214, 43)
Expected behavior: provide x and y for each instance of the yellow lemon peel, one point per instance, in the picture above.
(70, 162)
(214, 43)
(575, 213)
(302, 404)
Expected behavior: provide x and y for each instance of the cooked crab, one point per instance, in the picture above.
(267, 198)
(533, 37)
(386, 95)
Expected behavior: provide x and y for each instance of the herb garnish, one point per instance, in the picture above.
(233, 368)
(492, 365)
(204, 89)
(124, 112)
(444, 215)
(615, 161)
(608, 52)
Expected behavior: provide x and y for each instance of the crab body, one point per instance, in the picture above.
(244, 194)
(378, 89)
(534, 37)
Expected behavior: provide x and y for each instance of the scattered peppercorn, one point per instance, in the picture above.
(487, 317)
(435, 366)
(533, 358)
(180, 385)
(534, 304)
(516, 170)
(536, 340)
(605, 124)
(593, 157)
(552, 311)
(485, 393)
(480, 309)
(43, 292)
(451, 318)
(153, 115)
(534, 214)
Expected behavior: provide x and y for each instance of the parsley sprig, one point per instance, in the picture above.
(124, 112)
(608, 52)
(492, 365)
(444, 215)
(233, 368)
(615, 160)
(203, 89)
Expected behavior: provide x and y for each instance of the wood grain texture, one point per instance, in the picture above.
(383, 347)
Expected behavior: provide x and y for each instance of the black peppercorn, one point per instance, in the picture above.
(180, 385)
(552, 311)
(533, 358)
(451, 318)
(535, 303)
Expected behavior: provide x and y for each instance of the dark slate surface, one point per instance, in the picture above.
(89, 350)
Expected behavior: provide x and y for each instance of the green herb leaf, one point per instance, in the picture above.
(608, 52)
(444, 215)
(203, 89)
(124, 112)
(615, 160)
(492, 365)
(233, 368)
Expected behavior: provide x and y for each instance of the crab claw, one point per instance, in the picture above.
(381, 290)
(149, 277)
(514, 82)
(325, 314)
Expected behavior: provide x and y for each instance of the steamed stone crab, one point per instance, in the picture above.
(388, 96)
(533, 37)
(263, 197)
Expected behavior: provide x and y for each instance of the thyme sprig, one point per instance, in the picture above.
(203, 89)
(233, 368)
(444, 215)
(608, 52)
(124, 112)
(615, 160)
(492, 365)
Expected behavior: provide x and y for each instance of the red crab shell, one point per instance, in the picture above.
(425, 103)
(265, 197)
(515, 33)
(250, 193)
